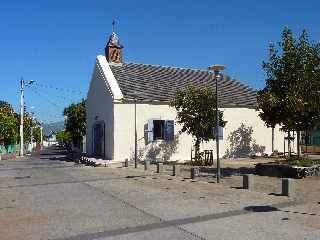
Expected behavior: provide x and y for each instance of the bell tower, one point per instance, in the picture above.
(113, 49)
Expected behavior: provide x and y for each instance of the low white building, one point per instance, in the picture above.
(121, 92)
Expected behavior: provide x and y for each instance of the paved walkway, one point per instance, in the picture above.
(45, 198)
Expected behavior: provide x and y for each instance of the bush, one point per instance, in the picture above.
(299, 161)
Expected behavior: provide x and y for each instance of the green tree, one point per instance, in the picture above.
(5, 105)
(63, 137)
(9, 125)
(75, 122)
(196, 113)
(292, 92)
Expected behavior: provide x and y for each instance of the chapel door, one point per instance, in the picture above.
(98, 136)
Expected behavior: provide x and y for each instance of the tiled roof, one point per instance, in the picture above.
(159, 83)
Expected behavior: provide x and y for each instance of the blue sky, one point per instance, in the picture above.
(55, 42)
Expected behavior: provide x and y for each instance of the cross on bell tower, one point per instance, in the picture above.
(113, 49)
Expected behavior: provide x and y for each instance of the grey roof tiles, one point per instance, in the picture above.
(159, 83)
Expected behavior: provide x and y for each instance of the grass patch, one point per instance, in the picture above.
(300, 162)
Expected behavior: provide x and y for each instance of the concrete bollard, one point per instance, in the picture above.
(126, 162)
(288, 187)
(248, 181)
(146, 165)
(194, 172)
(159, 167)
(176, 170)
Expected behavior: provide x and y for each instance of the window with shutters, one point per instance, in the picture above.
(159, 130)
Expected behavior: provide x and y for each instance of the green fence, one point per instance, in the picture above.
(14, 148)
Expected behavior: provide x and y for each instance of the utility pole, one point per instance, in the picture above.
(22, 85)
(21, 114)
(31, 132)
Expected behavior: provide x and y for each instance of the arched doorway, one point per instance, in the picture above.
(99, 139)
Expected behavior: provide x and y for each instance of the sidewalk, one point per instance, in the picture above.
(217, 207)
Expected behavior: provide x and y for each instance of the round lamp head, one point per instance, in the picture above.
(216, 68)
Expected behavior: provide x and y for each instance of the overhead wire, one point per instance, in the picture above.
(47, 98)
(58, 88)
(67, 97)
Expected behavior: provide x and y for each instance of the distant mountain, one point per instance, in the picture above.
(49, 128)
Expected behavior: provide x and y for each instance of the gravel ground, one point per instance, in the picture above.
(46, 198)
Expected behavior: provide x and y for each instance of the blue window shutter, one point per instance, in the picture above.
(169, 130)
(150, 130)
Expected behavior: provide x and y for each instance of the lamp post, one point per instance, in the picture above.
(31, 132)
(216, 69)
(23, 84)
(135, 134)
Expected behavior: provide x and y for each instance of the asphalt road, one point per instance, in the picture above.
(45, 197)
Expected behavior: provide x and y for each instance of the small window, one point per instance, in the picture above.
(158, 129)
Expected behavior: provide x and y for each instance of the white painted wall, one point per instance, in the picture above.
(99, 106)
(104, 104)
(124, 129)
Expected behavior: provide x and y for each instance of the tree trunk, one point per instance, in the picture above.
(289, 144)
(298, 143)
(272, 140)
(197, 148)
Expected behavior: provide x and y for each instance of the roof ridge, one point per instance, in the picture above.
(178, 68)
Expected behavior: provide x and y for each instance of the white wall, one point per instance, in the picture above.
(124, 129)
(99, 107)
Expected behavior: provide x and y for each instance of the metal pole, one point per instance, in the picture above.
(31, 133)
(135, 134)
(21, 115)
(41, 137)
(216, 73)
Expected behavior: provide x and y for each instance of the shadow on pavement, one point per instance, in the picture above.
(261, 209)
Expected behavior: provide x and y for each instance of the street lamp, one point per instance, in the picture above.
(135, 134)
(216, 69)
(23, 84)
